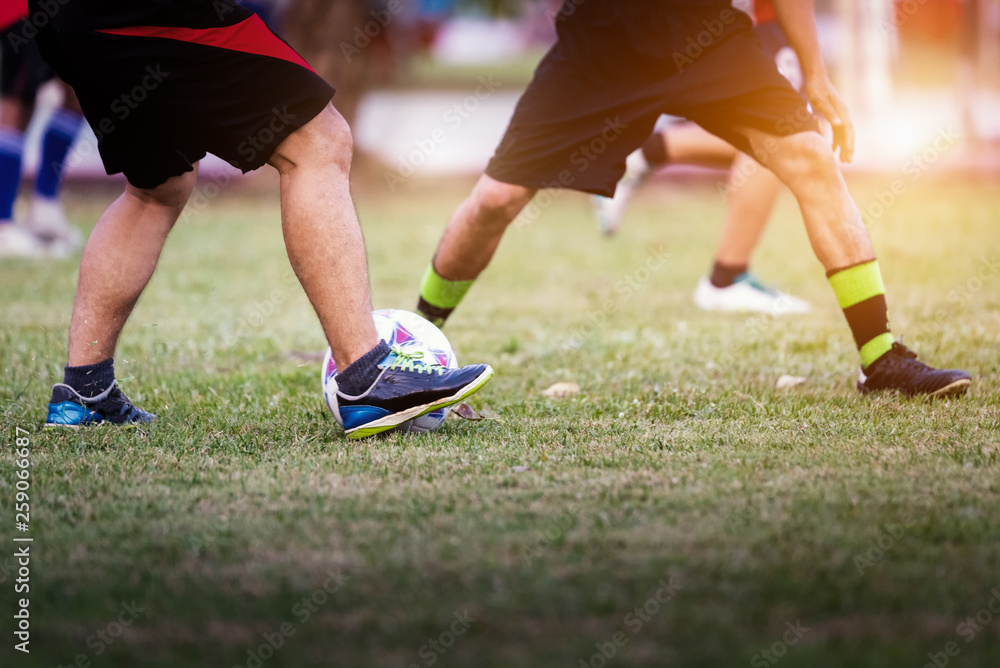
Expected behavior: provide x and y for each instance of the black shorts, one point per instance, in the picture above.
(22, 68)
(775, 43)
(617, 67)
(181, 81)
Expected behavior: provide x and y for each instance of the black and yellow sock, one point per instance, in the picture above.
(861, 294)
(439, 296)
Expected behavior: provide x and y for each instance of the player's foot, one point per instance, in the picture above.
(899, 370)
(407, 388)
(611, 210)
(67, 408)
(47, 221)
(747, 294)
(17, 242)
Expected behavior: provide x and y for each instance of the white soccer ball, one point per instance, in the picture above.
(412, 334)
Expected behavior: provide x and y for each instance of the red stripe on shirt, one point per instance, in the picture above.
(250, 35)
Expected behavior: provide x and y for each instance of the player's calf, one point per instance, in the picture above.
(493, 205)
(801, 160)
(468, 245)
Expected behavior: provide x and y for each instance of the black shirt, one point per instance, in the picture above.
(103, 14)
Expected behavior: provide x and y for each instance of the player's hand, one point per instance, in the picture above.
(826, 100)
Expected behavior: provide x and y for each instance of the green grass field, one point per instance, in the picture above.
(540, 537)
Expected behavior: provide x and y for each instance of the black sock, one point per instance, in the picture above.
(724, 275)
(434, 314)
(655, 150)
(360, 375)
(91, 379)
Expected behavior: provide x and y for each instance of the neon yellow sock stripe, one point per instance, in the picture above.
(856, 284)
(441, 292)
(875, 348)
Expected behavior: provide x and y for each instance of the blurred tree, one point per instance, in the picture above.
(335, 36)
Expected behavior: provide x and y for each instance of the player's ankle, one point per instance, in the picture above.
(363, 372)
(439, 296)
(724, 275)
(91, 379)
(434, 314)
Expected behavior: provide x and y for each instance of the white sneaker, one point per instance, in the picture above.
(747, 294)
(611, 210)
(47, 221)
(17, 242)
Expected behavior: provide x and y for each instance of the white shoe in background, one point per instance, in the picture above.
(47, 221)
(17, 242)
(611, 210)
(747, 294)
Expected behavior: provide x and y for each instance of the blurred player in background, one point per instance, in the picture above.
(217, 80)
(45, 231)
(751, 193)
(595, 98)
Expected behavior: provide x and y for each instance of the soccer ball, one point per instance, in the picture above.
(412, 334)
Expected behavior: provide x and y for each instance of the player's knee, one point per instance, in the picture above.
(333, 141)
(809, 155)
(324, 141)
(499, 203)
(171, 194)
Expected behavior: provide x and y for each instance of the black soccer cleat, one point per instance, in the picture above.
(899, 370)
(68, 408)
(407, 388)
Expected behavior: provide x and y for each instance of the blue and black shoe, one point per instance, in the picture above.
(407, 388)
(68, 408)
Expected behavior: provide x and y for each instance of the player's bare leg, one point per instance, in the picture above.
(15, 241)
(468, 244)
(475, 229)
(118, 261)
(690, 144)
(322, 234)
(376, 388)
(805, 163)
(752, 192)
(46, 218)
